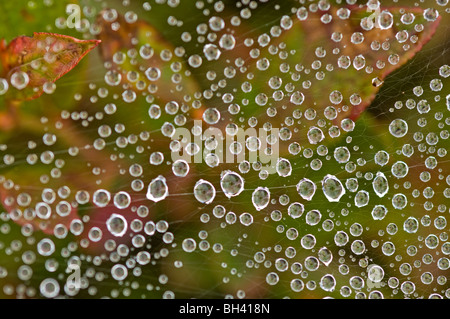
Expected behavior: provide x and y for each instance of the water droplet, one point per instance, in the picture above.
(49, 288)
(180, 168)
(344, 62)
(122, 200)
(358, 247)
(297, 98)
(153, 73)
(189, 245)
(117, 225)
(359, 62)
(283, 167)
(375, 273)
(3, 86)
(101, 197)
(231, 183)
(113, 78)
(119, 272)
(399, 201)
(381, 158)
(380, 184)
(400, 169)
(20, 80)
(342, 154)
(261, 198)
(46, 247)
(302, 13)
(272, 278)
(328, 283)
(336, 97)
(204, 191)
(444, 71)
(246, 219)
(295, 210)
(306, 188)
(398, 128)
(332, 188)
(195, 61)
(297, 285)
(385, 20)
(361, 198)
(308, 241)
(211, 116)
(227, 42)
(388, 248)
(325, 256)
(379, 212)
(341, 238)
(315, 135)
(211, 52)
(430, 14)
(157, 189)
(313, 217)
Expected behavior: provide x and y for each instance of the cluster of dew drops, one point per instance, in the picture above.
(330, 262)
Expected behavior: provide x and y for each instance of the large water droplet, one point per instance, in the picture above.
(332, 188)
(375, 273)
(398, 128)
(361, 198)
(157, 189)
(3, 86)
(385, 20)
(20, 80)
(315, 135)
(328, 283)
(231, 183)
(117, 225)
(411, 225)
(295, 210)
(283, 167)
(325, 255)
(261, 198)
(204, 191)
(379, 212)
(306, 188)
(101, 197)
(380, 184)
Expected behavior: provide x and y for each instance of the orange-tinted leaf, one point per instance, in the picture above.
(30, 62)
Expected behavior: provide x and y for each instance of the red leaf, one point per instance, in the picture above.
(43, 58)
